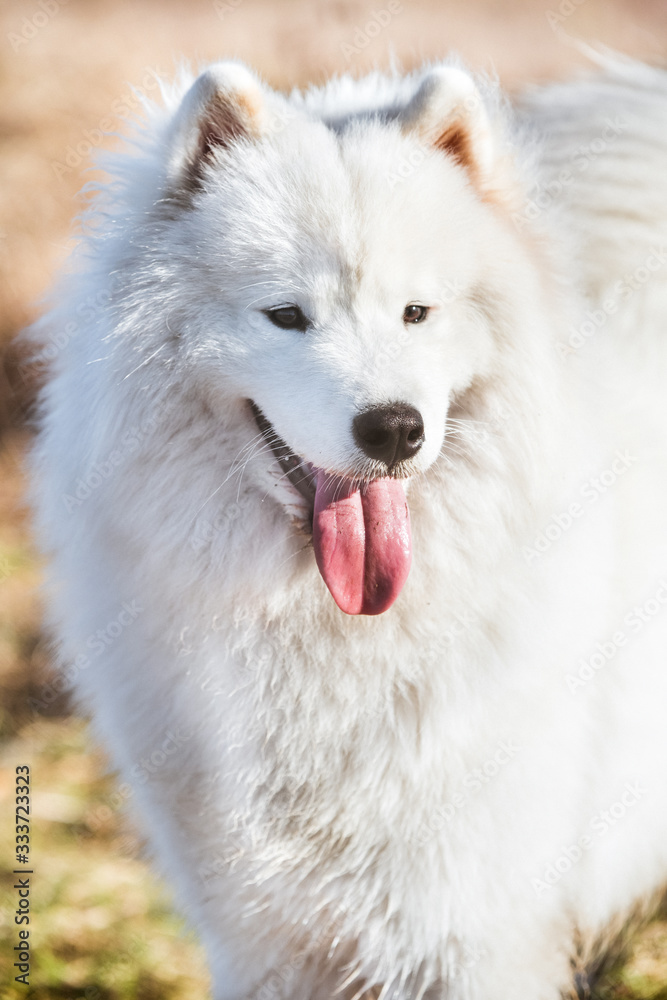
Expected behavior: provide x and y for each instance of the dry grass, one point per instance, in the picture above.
(102, 927)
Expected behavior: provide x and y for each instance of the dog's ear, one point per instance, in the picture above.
(448, 112)
(223, 105)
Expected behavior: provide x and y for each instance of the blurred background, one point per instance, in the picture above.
(70, 75)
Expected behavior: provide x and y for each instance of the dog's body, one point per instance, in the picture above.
(459, 791)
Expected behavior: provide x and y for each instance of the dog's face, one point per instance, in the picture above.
(337, 269)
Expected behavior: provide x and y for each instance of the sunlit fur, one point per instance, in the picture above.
(319, 812)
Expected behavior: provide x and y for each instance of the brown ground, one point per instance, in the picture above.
(101, 927)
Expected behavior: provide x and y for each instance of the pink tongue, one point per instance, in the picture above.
(362, 542)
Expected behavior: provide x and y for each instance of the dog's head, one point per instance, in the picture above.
(342, 273)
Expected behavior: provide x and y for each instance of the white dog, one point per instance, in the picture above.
(352, 466)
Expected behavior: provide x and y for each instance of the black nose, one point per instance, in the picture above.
(389, 434)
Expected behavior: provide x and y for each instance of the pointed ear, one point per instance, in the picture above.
(224, 104)
(448, 112)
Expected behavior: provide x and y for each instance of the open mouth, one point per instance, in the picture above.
(300, 473)
(361, 530)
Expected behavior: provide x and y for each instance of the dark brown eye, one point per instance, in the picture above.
(287, 318)
(415, 314)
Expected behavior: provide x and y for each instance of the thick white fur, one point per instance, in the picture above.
(320, 810)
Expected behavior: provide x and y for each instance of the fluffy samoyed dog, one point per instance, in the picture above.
(352, 470)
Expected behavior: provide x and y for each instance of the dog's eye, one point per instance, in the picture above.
(415, 314)
(287, 318)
